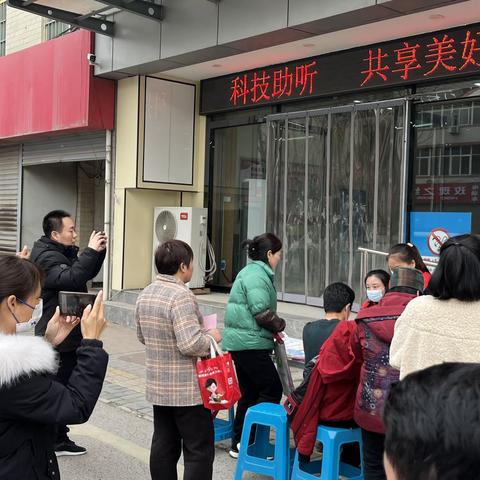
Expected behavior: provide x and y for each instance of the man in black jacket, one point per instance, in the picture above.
(56, 254)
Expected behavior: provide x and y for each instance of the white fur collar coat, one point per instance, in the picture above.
(25, 355)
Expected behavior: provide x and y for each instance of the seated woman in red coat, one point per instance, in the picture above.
(376, 285)
(375, 327)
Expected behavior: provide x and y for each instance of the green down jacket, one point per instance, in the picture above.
(252, 293)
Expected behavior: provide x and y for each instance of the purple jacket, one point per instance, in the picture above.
(375, 332)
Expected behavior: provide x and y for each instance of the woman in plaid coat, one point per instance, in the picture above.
(170, 325)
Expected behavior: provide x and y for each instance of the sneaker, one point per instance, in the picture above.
(69, 448)
(234, 451)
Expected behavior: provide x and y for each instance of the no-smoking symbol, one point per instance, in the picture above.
(436, 238)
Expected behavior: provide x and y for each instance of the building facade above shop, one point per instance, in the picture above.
(54, 83)
(413, 60)
(188, 32)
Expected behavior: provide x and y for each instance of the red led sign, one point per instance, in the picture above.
(437, 55)
(253, 87)
(442, 54)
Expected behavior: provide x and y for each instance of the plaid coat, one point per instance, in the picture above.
(170, 325)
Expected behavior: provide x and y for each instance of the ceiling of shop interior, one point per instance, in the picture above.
(430, 20)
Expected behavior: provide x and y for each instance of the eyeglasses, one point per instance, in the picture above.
(25, 303)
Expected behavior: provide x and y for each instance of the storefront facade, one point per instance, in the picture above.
(54, 140)
(361, 148)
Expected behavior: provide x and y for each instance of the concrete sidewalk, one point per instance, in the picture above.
(125, 381)
(124, 388)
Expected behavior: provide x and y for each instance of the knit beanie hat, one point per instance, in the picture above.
(407, 277)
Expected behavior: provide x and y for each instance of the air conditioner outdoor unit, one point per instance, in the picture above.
(187, 224)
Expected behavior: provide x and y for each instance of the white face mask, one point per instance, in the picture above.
(375, 295)
(36, 316)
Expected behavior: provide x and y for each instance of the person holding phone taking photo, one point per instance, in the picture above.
(57, 255)
(32, 400)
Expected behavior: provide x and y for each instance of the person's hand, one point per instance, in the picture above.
(24, 253)
(93, 322)
(59, 327)
(215, 334)
(98, 241)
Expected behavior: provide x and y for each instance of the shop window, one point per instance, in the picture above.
(3, 27)
(447, 160)
(54, 29)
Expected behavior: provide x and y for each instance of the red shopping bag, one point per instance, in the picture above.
(217, 379)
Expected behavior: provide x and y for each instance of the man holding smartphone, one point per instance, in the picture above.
(57, 255)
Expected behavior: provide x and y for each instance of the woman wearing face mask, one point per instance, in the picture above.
(31, 401)
(376, 285)
(407, 255)
(250, 321)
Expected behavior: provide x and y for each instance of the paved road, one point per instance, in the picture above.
(118, 444)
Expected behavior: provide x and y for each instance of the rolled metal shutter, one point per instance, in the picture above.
(9, 190)
(72, 148)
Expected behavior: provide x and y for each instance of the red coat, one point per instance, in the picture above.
(331, 389)
(426, 279)
(367, 304)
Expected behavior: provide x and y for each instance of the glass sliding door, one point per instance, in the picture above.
(365, 186)
(335, 183)
(316, 194)
(294, 239)
(390, 151)
(340, 221)
(276, 179)
(239, 197)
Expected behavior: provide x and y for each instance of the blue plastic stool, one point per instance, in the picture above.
(224, 428)
(330, 466)
(261, 456)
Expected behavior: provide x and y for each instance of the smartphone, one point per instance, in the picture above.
(74, 303)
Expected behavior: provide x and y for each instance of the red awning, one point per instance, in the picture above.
(50, 88)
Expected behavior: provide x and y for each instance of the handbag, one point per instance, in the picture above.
(283, 368)
(217, 379)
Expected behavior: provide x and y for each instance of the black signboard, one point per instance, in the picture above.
(437, 55)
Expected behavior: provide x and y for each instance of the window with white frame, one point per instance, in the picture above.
(3, 27)
(424, 157)
(449, 115)
(459, 160)
(53, 29)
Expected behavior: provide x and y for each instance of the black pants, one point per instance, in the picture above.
(373, 446)
(171, 426)
(259, 382)
(68, 361)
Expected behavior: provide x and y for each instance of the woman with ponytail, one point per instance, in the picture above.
(250, 321)
(407, 255)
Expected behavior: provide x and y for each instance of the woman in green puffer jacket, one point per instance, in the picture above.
(250, 322)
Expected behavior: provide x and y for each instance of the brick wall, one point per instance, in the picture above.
(23, 30)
